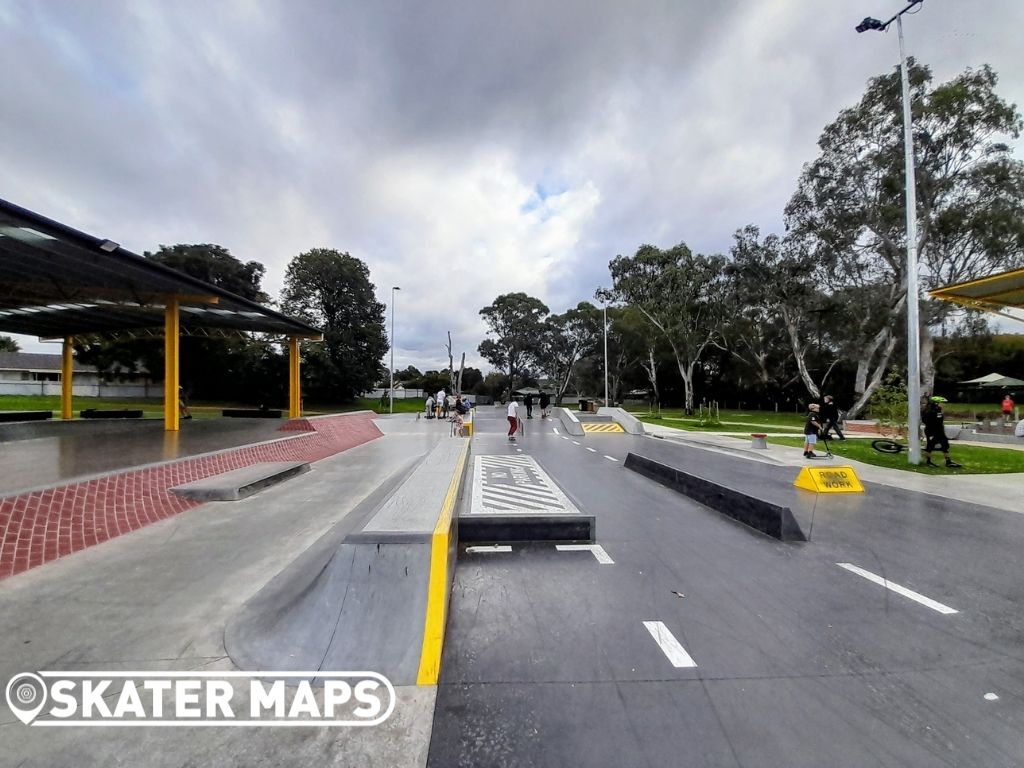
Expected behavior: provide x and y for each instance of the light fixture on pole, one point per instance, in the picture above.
(391, 397)
(913, 340)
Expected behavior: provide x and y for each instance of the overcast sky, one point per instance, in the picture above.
(461, 149)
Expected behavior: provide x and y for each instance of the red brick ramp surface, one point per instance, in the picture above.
(40, 526)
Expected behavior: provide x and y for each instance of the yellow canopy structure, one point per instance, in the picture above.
(1002, 294)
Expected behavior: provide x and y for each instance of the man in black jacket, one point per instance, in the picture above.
(935, 431)
(830, 416)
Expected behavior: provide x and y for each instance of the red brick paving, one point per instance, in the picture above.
(41, 526)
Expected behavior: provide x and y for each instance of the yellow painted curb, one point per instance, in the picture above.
(437, 588)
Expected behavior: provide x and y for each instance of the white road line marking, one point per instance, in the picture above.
(505, 484)
(916, 597)
(669, 645)
(492, 548)
(595, 549)
(592, 450)
(563, 437)
(555, 430)
(610, 458)
(575, 442)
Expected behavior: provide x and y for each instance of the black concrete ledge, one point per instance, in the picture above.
(772, 519)
(110, 413)
(513, 529)
(25, 415)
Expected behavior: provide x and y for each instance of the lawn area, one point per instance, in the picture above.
(976, 460)
(406, 405)
(731, 421)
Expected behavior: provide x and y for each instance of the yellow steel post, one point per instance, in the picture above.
(66, 372)
(294, 381)
(172, 329)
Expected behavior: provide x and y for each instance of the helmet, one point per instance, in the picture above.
(938, 399)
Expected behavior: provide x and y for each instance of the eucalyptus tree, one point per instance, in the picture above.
(849, 204)
(679, 294)
(565, 340)
(516, 321)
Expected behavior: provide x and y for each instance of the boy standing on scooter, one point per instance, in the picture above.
(812, 427)
(935, 432)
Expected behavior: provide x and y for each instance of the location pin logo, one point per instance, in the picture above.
(26, 695)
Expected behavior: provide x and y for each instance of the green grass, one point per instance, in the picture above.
(673, 416)
(976, 460)
(374, 404)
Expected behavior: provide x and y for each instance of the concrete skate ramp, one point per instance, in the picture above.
(366, 595)
(630, 423)
(570, 423)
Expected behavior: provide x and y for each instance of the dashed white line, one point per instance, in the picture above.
(491, 548)
(916, 597)
(669, 645)
(555, 430)
(592, 450)
(563, 437)
(595, 549)
(611, 458)
(575, 442)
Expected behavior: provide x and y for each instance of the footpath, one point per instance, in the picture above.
(1002, 491)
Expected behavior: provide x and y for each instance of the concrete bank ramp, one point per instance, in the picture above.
(570, 423)
(629, 423)
(371, 594)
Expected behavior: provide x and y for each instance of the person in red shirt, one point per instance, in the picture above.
(1007, 409)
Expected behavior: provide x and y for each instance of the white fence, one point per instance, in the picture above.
(82, 390)
(400, 394)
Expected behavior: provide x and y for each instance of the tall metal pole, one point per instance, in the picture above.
(606, 403)
(913, 336)
(391, 392)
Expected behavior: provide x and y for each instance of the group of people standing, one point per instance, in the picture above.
(824, 417)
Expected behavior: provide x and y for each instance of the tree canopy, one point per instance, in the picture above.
(332, 290)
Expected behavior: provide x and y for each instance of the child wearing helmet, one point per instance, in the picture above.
(935, 431)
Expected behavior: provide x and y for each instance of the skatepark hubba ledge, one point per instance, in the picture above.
(372, 593)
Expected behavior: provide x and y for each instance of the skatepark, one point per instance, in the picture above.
(608, 619)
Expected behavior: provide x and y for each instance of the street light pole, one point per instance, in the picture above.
(913, 322)
(391, 393)
(606, 403)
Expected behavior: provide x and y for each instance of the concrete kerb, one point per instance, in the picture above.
(569, 421)
(372, 593)
(630, 423)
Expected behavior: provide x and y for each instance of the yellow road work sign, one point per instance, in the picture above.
(602, 427)
(829, 480)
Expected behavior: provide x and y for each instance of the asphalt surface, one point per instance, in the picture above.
(767, 653)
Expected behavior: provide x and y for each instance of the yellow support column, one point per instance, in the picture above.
(172, 329)
(66, 372)
(294, 381)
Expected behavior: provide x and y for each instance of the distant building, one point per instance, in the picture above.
(32, 373)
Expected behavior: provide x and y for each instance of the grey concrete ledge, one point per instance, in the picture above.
(241, 483)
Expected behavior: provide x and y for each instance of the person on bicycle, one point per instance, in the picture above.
(935, 431)
(830, 415)
(812, 426)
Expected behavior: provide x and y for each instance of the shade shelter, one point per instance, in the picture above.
(58, 282)
(994, 381)
(1002, 294)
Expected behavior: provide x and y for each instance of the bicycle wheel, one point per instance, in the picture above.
(887, 446)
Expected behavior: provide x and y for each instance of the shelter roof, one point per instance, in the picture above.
(57, 281)
(995, 293)
(994, 380)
